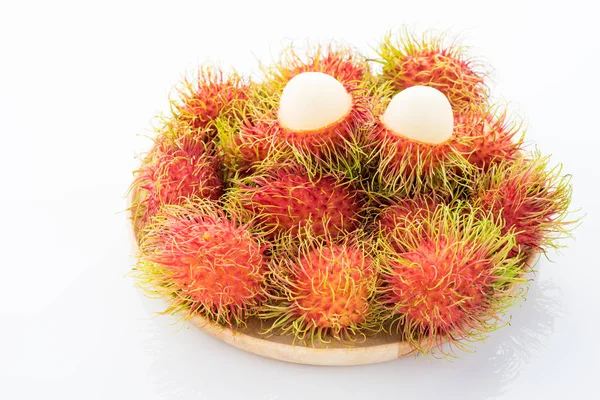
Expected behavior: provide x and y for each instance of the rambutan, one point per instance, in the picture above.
(247, 143)
(406, 167)
(343, 64)
(319, 105)
(529, 199)
(322, 289)
(410, 61)
(203, 262)
(486, 137)
(451, 279)
(174, 170)
(404, 211)
(287, 198)
(211, 95)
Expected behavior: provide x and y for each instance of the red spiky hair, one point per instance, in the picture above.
(287, 198)
(411, 61)
(529, 199)
(323, 289)
(174, 170)
(449, 280)
(203, 262)
(211, 95)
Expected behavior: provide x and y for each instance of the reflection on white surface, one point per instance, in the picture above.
(500, 359)
(492, 367)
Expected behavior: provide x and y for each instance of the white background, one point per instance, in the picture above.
(81, 81)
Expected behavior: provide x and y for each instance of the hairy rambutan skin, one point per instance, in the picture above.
(487, 137)
(405, 211)
(410, 61)
(285, 199)
(203, 262)
(343, 64)
(322, 290)
(530, 199)
(405, 167)
(450, 280)
(174, 170)
(211, 95)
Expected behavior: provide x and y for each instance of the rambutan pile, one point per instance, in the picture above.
(332, 200)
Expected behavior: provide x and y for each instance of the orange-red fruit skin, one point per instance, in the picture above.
(220, 267)
(332, 287)
(405, 156)
(440, 286)
(209, 98)
(401, 213)
(484, 139)
(441, 69)
(176, 172)
(529, 206)
(288, 199)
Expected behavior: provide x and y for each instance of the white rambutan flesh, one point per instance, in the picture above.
(312, 101)
(420, 113)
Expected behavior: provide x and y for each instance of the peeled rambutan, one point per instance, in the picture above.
(211, 95)
(486, 137)
(174, 170)
(529, 199)
(451, 279)
(319, 103)
(287, 198)
(203, 262)
(410, 61)
(322, 289)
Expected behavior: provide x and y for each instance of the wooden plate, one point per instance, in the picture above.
(380, 348)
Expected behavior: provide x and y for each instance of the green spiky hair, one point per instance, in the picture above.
(322, 289)
(446, 277)
(203, 262)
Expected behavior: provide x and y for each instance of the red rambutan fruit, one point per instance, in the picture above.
(286, 198)
(405, 211)
(410, 61)
(322, 289)
(246, 144)
(174, 170)
(341, 63)
(451, 279)
(485, 138)
(529, 199)
(203, 262)
(212, 95)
